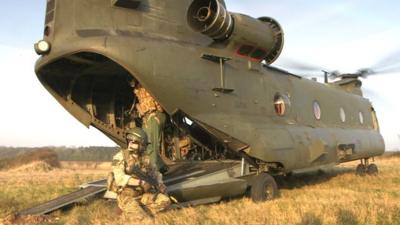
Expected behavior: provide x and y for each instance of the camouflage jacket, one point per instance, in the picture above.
(147, 103)
(122, 164)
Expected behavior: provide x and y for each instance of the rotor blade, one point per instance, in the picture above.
(334, 74)
(365, 72)
(298, 65)
(392, 69)
(391, 60)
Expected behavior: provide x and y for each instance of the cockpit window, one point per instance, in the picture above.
(375, 123)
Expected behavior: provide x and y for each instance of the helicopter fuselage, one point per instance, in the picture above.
(275, 118)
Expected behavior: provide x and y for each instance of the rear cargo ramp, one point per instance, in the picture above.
(191, 183)
(64, 201)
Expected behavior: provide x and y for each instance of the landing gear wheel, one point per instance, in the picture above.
(360, 170)
(264, 188)
(372, 170)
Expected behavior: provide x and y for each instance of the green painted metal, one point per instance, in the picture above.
(97, 46)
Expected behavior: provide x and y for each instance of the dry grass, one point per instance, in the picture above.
(22, 189)
(334, 197)
(86, 165)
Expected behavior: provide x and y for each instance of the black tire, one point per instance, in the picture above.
(264, 188)
(361, 170)
(372, 170)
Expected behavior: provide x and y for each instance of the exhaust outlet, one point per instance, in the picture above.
(255, 39)
(210, 18)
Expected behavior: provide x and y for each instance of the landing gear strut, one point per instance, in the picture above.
(364, 168)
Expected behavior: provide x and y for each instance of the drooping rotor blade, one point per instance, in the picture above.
(372, 72)
(392, 69)
(389, 61)
(389, 64)
(303, 69)
(298, 65)
(334, 74)
(365, 72)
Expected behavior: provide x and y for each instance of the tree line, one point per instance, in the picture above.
(92, 153)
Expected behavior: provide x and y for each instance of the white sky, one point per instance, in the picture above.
(30, 116)
(343, 34)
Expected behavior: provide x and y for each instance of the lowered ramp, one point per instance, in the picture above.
(191, 183)
(64, 201)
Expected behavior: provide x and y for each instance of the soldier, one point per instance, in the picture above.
(153, 124)
(135, 196)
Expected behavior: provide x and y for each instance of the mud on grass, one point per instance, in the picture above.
(335, 196)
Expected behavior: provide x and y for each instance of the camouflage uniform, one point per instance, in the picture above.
(153, 124)
(131, 198)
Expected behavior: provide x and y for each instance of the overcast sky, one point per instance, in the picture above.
(343, 35)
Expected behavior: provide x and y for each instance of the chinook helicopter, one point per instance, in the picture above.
(234, 121)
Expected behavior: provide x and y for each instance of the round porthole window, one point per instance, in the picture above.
(342, 115)
(281, 104)
(317, 110)
(361, 117)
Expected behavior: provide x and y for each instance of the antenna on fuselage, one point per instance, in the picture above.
(326, 74)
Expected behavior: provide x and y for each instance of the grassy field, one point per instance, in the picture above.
(336, 196)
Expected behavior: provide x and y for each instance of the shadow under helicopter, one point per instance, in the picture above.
(300, 180)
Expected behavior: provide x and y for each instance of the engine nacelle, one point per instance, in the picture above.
(259, 39)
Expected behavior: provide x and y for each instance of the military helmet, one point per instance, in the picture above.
(137, 134)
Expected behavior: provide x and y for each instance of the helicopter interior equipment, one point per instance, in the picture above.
(210, 71)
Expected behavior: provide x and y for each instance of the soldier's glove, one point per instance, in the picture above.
(162, 188)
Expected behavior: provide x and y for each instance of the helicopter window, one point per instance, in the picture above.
(342, 115)
(281, 103)
(245, 50)
(317, 110)
(374, 120)
(258, 54)
(361, 117)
